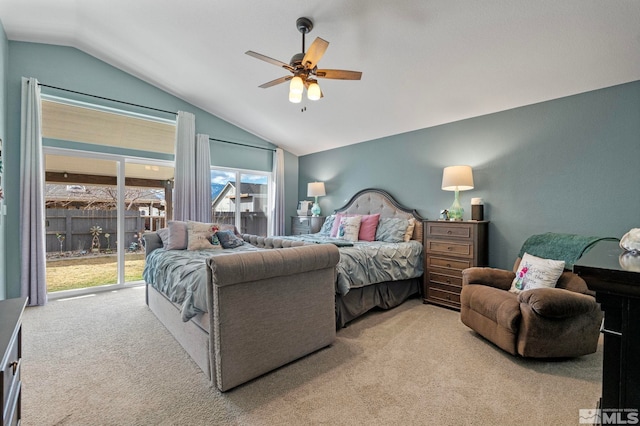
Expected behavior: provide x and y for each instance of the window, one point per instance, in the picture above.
(246, 204)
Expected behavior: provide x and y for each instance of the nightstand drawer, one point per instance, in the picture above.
(306, 224)
(448, 230)
(450, 248)
(447, 263)
(300, 229)
(451, 280)
(443, 296)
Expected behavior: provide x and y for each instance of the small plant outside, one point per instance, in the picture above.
(70, 270)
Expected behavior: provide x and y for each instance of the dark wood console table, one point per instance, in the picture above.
(614, 276)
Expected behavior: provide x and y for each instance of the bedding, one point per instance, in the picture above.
(380, 273)
(181, 275)
(364, 263)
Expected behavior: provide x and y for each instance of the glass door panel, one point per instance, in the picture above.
(81, 222)
(223, 197)
(254, 204)
(147, 199)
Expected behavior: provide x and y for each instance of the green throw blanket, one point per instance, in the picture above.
(567, 247)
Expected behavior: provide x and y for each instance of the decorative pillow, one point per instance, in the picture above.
(199, 235)
(228, 239)
(177, 235)
(536, 272)
(349, 228)
(163, 233)
(336, 224)
(327, 225)
(409, 233)
(392, 229)
(214, 240)
(368, 225)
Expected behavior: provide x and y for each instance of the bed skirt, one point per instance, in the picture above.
(385, 295)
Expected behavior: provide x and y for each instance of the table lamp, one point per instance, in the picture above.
(315, 189)
(457, 178)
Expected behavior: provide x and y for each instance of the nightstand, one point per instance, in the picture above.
(451, 247)
(306, 224)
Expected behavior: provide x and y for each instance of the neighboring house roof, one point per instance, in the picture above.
(246, 190)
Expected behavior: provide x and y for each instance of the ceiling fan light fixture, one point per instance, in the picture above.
(296, 86)
(313, 92)
(295, 98)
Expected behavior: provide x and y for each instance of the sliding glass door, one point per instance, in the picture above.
(241, 198)
(97, 208)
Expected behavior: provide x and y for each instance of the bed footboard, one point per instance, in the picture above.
(270, 307)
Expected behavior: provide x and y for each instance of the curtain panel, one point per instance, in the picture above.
(184, 195)
(32, 222)
(277, 197)
(203, 179)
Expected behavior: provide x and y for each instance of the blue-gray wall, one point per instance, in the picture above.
(4, 55)
(568, 165)
(72, 69)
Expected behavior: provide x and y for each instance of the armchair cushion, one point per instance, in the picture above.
(557, 303)
(498, 278)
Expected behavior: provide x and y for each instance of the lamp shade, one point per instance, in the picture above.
(296, 85)
(295, 98)
(313, 92)
(315, 189)
(457, 178)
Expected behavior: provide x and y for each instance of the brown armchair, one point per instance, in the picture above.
(539, 323)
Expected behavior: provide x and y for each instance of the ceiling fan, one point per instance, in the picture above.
(304, 67)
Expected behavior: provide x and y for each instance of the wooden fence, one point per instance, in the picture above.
(75, 226)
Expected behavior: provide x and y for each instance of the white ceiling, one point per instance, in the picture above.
(424, 62)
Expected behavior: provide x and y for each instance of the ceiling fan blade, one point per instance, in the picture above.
(314, 53)
(276, 81)
(269, 60)
(339, 74)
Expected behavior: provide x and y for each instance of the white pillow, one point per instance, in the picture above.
(536, 272)
(199, 235)
(349, 228)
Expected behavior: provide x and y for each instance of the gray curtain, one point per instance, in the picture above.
(203, 180)
(32, 220)
(184, 195)
(278, 215)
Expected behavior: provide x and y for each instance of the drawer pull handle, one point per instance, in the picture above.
(449, 248)
(14, 367)
(448, 281)
(448, 265)
(449, 232)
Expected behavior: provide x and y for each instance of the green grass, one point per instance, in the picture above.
(83, 272)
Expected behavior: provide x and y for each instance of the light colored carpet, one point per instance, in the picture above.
(106, 360)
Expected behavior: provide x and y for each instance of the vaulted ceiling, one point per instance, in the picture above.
(424, 62)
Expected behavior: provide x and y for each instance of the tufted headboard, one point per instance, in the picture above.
(372, 201)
